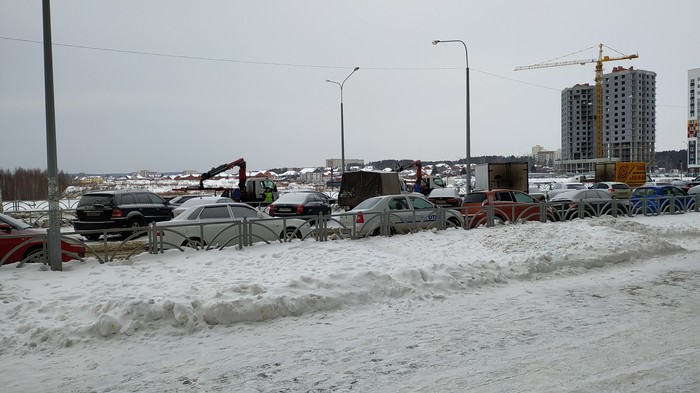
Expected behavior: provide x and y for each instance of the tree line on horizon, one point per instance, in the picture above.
(29, 184)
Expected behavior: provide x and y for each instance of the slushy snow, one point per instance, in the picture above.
(595, 305)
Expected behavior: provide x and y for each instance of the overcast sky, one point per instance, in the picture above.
(174, 85)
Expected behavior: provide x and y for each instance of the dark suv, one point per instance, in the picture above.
(119, 209)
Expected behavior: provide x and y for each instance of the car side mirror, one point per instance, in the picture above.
(5, 227)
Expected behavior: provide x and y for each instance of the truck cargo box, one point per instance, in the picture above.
(355, 187)
(495, 175)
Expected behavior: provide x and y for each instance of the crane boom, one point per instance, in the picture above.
(598, 86)
(555, 64)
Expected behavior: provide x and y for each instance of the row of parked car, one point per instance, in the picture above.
(197, 220)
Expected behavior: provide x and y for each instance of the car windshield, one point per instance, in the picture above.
(14, 222)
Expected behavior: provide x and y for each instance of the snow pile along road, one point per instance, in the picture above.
(182, 293)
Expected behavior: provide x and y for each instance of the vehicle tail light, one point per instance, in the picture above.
(611, 189)
(451, 200)
(360, 218)
(117, 213)
(573, 206)
(271, 211)
(432, 200)
(300, 209)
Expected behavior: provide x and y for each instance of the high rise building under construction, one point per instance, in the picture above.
(628, 120)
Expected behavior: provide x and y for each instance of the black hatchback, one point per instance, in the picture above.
(119, 209)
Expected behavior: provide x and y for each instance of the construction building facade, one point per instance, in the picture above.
(693, 108)
(628, 121)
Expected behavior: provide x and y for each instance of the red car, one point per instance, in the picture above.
(509, 206)
(14, 232)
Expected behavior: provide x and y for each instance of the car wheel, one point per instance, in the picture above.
(290, 233)
(378, 231)
(135, 225)
(35, 255)
(453, 223)
(92, 236)
(194, 242)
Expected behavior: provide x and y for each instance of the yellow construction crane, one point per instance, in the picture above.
(598, 85)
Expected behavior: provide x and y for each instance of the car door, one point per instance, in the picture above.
(679, 197)
(526, 207)
(261, 229)
(218, 229)
(7, 244)
(161, 210)
(504, 206)
(144, 206)
(425, 212)
(604, 200)
(400, 213)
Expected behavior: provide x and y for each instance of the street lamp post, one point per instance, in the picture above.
(469, 168)
(342, 124)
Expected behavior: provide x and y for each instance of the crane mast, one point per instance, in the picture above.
(598, 86)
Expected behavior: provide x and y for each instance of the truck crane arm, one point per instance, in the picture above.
(419, 171)
(240, 163)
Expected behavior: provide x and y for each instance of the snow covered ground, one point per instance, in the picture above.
(596, 305)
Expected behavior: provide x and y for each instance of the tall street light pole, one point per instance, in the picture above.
(342, 124)
(469, 168)
(53, 241)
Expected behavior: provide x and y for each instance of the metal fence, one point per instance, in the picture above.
(119, 244)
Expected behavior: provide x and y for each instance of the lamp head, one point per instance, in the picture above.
(356, 68)
(435, 42)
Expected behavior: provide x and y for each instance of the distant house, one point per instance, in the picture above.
(290, 175)
(312, 175)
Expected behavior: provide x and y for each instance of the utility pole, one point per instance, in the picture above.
(53, 240)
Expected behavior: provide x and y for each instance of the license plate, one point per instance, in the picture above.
(93, 214)
(285, 209)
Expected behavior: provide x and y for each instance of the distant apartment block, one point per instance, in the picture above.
(629, 120)
(693, 108)
(545, 157)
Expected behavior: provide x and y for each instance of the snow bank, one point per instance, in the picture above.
(186, 292)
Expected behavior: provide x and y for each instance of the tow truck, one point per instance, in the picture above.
(423, 184)
(250, 189)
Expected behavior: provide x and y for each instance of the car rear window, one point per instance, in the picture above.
(420, 203)
(478, 197)
(96, 199)
(292, 198)
(368, 203)
(621, 186)
(215, 212)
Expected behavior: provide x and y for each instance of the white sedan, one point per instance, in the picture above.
(226, 224)
(405, 213)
